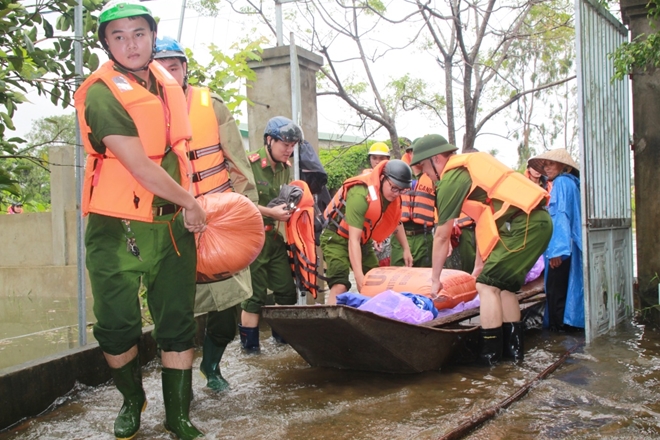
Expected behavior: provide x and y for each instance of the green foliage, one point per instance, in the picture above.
(34, 53)
(642, 53)
(225, 73)
(29, 167)
(343, 162)
(413, 94)
(208, 8)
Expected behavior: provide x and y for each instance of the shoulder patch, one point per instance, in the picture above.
(253, 157)
(264, 163)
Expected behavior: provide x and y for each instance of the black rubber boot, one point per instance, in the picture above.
(279, 339)
(513, 340)
(177, 386)
(128, 380)
(490, 346)
(210, 366)
(249, 338)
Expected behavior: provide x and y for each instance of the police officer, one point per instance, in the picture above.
(219, 162)
(418, 216)
(512, 230)
(271, 269)
(366, 208)
(378, 152)
(141, 217)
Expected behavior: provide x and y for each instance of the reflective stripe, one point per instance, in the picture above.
(196, 154)
(199, 176)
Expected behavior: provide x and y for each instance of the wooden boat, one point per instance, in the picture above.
(343, 337)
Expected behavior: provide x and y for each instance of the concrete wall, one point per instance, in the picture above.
(646, 146)
(40, 248)
(38, 239)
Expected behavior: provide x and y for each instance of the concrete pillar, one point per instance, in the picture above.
(271, 92)
(62, 199)
(646, 144)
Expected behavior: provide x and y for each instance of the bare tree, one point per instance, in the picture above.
(471, 41)
(355, 37)
(478, 39)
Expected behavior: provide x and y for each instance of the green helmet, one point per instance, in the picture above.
(116, 9)
(429, 146)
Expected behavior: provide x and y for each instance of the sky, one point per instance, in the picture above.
(228, 27)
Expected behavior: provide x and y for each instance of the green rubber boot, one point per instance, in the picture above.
(210, 366)
(177, 387)
(128, 380)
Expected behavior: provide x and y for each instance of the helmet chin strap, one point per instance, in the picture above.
(270, 152)
(437, 176)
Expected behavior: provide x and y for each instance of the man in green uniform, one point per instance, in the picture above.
(355, 252)
(271, 269)
(219, 299)
(522, 238)
(124, 253)
(418, 218)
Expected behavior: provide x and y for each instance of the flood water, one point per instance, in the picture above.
(608, 389)
(32, 327)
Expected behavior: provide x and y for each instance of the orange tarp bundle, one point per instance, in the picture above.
(457, 286)
(233, 238)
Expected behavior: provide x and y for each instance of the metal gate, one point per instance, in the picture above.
(605, 182)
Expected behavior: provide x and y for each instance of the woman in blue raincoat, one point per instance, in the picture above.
(564, 284)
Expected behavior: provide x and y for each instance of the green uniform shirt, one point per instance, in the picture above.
(106, 116)
(268, 181)
(452, 190)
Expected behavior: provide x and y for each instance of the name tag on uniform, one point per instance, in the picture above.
(372, 193)
(122, 83)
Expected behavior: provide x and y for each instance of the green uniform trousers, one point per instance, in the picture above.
(421, 248)
(523, 240)
(116, 275)
(221, 326)
(271, 270)
(338, 264)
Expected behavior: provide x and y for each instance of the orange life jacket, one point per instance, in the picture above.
(378, 225)
(109, 188)
(501, 183)
(418, 205)
(210, 173)
(407, 157)
(301, 245)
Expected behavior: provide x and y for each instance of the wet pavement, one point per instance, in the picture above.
(608, 389)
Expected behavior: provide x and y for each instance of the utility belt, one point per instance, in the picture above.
(411, 232)
(170, 208)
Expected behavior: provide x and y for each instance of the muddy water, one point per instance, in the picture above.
(32, 327)
(608, 389)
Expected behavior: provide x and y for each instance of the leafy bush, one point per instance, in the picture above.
(343, 162)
